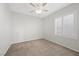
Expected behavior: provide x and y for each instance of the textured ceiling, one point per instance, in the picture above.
(25, 8)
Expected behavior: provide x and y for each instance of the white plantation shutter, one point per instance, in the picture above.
(68, 25)
(58, 26)
(65, 26)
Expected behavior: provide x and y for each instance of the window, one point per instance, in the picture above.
(58, 26)
(65, 26)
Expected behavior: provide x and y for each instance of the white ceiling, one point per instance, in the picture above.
(25, 8)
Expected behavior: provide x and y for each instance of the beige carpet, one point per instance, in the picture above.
(39, 47)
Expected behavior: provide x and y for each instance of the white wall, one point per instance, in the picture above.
(49, 28)
(5, 28)
(26, 28)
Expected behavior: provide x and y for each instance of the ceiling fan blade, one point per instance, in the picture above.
(45, 10)
(44, 4)
(32, 11)
(37, 4)
(32, 4)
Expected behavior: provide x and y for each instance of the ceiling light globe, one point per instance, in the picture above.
(38, 11)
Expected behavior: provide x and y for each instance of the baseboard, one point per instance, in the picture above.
(5, 49)
(27, 40)
(64, 46)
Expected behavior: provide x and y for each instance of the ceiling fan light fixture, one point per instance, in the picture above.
(38, 11)
(39, 8)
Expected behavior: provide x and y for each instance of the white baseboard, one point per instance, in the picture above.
(26, 40)
(64, 45)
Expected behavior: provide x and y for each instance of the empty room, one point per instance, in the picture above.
(39, 29)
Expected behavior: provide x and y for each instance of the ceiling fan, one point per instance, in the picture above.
(39, 8)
